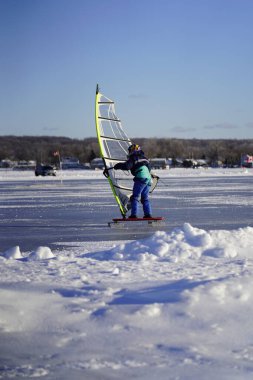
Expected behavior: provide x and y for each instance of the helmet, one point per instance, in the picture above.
(134, 148)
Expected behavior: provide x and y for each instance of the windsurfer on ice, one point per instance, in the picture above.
(139, 166)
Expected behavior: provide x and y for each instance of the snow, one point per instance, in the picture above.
(175, 304)
(13, 253)
(184, 243)
(41, 253)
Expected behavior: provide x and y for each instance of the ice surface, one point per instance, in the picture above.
(173, 304)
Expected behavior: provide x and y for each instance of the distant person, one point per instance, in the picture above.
(139, 166)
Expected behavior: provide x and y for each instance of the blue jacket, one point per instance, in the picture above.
(139, 166)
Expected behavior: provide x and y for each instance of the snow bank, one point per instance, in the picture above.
(13, 253)
(41, 253)
(177, 303)
(184, 243)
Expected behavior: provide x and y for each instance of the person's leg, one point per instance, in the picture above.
(137, 190)
(145, 201)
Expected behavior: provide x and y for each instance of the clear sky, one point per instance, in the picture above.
(176, 68)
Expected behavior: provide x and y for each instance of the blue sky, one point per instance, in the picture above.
(176, 68)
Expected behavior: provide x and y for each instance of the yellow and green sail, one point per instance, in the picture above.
(114, 143)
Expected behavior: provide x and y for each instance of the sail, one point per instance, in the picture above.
(114, 144)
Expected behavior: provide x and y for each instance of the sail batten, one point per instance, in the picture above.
(114, 138)
(106, 118)
(114, 159)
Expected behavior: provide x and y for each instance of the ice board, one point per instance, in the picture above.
(121, 221)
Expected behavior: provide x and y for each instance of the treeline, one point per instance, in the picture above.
(42, 148)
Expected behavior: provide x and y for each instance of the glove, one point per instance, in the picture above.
(154, 176)
(106, 172)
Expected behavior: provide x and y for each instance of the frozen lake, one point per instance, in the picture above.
(76, 206)
(79, 300)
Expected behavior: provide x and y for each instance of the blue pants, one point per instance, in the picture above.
(140, 190)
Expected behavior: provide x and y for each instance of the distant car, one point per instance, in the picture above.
(44, 170)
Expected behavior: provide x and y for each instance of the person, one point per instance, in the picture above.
(139, 166)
